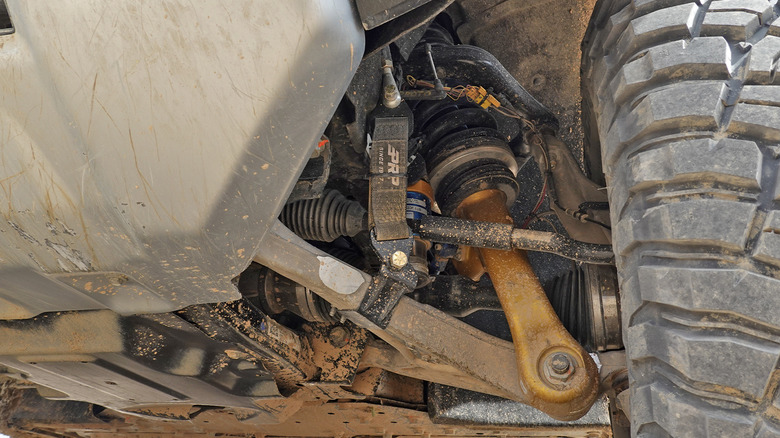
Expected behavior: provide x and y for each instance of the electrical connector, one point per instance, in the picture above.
(481, 97)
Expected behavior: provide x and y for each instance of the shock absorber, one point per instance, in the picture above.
(472, 171)
(419, 197)
(465, 153)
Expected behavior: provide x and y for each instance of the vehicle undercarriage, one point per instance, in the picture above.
(395, 218)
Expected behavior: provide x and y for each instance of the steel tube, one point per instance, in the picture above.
(505, 236)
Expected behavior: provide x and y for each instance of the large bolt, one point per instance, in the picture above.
(338, 336)
(560, 363)
(558, 368)
(399, 259)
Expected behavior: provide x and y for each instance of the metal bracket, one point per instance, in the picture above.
(396, 278)
(387, 181)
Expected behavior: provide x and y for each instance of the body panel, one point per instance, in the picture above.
(147, 147)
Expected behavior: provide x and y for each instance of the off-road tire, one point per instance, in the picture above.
(685, 97)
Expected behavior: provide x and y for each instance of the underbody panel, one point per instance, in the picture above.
(147, 147)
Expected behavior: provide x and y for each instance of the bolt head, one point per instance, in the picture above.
(559, 363)
(338, 336)
(399, 259)
(558, 368)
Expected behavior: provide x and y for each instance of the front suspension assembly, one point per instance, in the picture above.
(472, 171)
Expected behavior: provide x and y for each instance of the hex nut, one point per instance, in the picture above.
(338, 336)
(558, 368)
(398, 260)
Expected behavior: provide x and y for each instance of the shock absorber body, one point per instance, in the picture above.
(419, 197)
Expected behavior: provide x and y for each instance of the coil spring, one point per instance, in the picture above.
(438, 119)
(326, 218)
(464, 151)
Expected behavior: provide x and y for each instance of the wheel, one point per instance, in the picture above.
(685, 102)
